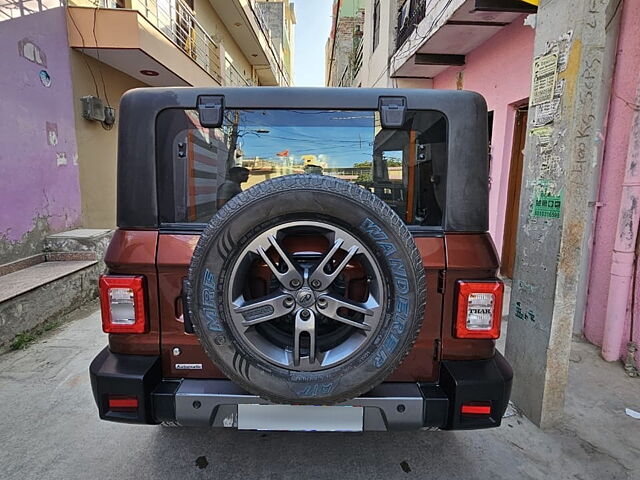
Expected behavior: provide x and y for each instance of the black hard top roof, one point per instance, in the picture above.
(466, 207)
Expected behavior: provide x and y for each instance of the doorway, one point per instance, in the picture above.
(513, 193)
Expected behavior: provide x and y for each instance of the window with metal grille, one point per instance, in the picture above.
(376, 24)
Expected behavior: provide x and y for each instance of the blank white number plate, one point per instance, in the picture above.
(300, 418)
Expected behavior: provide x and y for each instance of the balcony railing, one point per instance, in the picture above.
(19, 8)
(409, 16)
(357, 59)
(177, 22)
(233, 77)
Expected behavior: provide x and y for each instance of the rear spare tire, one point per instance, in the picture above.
(306, 289)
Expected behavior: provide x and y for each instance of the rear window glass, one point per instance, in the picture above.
(200, 169)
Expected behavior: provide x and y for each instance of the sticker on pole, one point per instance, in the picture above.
(547, 200)
(547, 206)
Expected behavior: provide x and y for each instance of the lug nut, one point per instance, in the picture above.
(316, 283)
(305, 314)
(295, 283)
(288, 302)
(322, 302)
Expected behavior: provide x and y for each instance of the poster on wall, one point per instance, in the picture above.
(544, 77)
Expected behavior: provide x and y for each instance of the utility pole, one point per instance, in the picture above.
(233, 141)
(574, 52)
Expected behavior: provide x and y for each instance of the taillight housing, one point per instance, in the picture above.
(122, 300)
(479, 309)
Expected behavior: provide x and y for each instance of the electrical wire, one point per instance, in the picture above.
(316, 140)
(95, 38)
(84, 57)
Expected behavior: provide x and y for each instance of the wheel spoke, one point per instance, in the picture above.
(304, 325)
(292, 278)
(319, 279)
(266, 308)
(331, 305)
(303, 288)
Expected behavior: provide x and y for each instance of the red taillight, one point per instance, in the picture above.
(122, 403)
(122, 300)
(479, 309)
(476, 409)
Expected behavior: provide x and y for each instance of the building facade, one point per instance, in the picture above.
(279, 18)
(344, 48)
(464, 48)
(39, 171)
(487, 46)
(98, 51)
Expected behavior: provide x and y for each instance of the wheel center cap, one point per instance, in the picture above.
(305, 297)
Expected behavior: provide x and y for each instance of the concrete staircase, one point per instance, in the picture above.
(42, 287)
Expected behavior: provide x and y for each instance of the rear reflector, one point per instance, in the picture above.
(122, 301)
(479, 309)
(118, 402)
(475, 409)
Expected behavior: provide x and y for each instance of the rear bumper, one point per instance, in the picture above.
(389, 406)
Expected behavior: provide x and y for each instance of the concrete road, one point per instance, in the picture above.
(49, 429)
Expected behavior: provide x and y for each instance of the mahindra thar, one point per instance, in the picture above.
(302, 259)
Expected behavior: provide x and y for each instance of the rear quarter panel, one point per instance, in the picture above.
(133, 252)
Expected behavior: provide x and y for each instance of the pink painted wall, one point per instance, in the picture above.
(39, 183)
(626, 81)
(500, 70)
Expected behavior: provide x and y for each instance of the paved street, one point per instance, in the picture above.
(50, 429)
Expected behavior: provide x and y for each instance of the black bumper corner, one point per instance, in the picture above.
(478, 381)
(390, 406)
(125, 375)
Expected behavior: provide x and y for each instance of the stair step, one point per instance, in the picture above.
(22, 281)
(21, 264)
(94, 240)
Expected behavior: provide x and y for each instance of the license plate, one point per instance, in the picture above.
(297, 418)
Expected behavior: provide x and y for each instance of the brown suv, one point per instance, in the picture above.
(302, 259)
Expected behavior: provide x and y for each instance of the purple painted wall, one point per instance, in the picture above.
(626, 81)
(39, 183)
(500, 70)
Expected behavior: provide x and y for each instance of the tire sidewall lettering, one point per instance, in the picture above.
(208, 301)
(401, 300)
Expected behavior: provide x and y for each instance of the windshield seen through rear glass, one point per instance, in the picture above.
(201, 168)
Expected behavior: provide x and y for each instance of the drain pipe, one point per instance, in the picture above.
(623, 260)
(632, 348)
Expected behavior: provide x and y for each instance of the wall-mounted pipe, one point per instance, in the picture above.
(622, 265)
